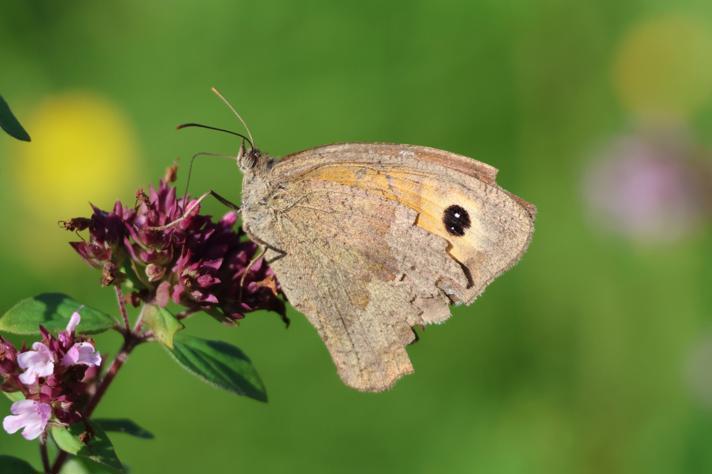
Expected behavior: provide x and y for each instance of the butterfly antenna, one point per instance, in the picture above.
(190, 168)
(244, 124)
(210, 127)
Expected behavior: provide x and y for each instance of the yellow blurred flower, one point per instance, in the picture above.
(83, 149)
(663, 68)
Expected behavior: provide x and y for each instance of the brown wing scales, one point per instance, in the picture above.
(364, 274)
(380, 238)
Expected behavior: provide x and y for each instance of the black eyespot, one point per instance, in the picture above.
(456, 220)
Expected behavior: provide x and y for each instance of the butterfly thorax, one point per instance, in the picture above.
(257, 188)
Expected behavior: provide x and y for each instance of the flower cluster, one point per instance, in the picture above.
(56, 378)
(168, 252)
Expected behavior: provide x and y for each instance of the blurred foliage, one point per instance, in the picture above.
(587, 357)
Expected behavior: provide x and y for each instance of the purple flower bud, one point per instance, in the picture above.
(74, 321)
(171, 252)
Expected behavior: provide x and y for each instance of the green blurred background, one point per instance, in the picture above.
(593, 355)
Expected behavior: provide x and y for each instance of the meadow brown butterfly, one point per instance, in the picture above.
(371, 239)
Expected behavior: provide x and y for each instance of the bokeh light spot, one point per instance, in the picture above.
(83, 150)
(663, 68)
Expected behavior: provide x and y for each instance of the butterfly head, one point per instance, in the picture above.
(248, 160)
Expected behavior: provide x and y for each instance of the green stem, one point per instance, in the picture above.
(122, 306)
(43, 454)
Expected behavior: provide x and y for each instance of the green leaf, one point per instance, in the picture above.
(219, 363)
(13, 465)
(14, 396)
(163, 324)
(123, 425)
(75, 466)
(97, 446)
(52, 310)
(84, 466)
(10, 124)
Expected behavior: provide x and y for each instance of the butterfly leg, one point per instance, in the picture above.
(224, 201)
(258, 255)
(267, 246)
(194, 205)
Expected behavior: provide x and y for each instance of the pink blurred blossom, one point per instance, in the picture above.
(649, 186)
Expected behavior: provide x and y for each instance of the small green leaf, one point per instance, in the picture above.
(13, 465)
(10, 124)
(123, 425)
(163, 324)
(84, 466)
(14, 396)
(52, 310)
(219, 363)
(66, 440)
(75, 466)
(97, 448)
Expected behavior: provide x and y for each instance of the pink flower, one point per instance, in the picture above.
(57, 378)
(36, 363)
(650, 186)
(28, 415)
(82, 353)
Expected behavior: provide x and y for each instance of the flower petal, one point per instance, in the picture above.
(13, 423)
(82, 353)
(37, 363)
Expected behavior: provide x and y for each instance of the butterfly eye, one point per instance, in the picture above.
(456, 220)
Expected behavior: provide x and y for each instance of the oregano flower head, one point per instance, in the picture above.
(169, 252)
(55, 378)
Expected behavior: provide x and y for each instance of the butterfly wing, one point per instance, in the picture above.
(380, 238)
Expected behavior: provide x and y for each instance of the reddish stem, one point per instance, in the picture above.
(131, 340)
(122, 306)
(129, 343)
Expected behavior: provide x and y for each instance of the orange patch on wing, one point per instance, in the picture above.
(423, 193)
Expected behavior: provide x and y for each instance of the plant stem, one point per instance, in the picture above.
(131, 340)
(122, 306)
(129, 344)
(43, 454)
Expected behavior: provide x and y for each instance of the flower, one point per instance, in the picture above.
(82, 353)
(30, 416)
(36, 363)
(169, 252)
(56, 377)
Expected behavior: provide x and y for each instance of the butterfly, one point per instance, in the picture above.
(369, 240)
